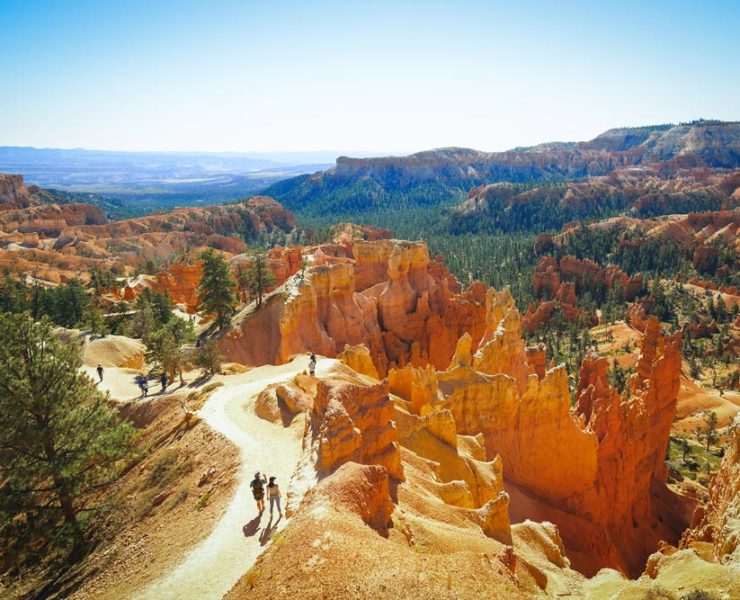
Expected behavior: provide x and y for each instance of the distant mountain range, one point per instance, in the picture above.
(146, 181)
(499, 186)
(444, 176)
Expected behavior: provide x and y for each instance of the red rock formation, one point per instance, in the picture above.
(389, 296)
(540, 313)
(637, 315)
(606, 491)
(558, 283)
(58, 242)
(50, 220)
(537, 357)
(358, 359)
(705, 258)
(543, 243)
(181, 282)
(349, 233)
(351, 421)
(162, 235)
(418, 385)
(357, 489)
(654, 188)
(546, 279)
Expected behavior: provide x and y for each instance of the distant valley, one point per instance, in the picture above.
(126, 184)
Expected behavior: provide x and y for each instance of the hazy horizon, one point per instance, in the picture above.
(337, 153)
(391, 78)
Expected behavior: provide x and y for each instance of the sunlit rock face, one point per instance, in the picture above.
(596, 471)
(388, 295)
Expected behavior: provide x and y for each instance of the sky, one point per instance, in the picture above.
(370, 76)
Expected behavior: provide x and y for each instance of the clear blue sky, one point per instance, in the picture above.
(375, 76)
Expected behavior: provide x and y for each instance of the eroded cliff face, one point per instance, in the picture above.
(13, 192)
(597, 471)
(718, 522)
(387, 294)
(557, 283)
(351, 421)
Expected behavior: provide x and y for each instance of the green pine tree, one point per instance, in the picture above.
(259, 277)
(165, 347)
(60, 442)
(208, 357)
(216, 291)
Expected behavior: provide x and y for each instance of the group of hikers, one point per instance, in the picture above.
(143, 383)
(141, 380)
(260, 486)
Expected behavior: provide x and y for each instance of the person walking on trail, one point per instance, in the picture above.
(258, 490)
(100, 372)
(143, 385)
(163, 381)
(312, 365)
(273, 494)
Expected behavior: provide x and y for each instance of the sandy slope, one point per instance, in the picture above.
(694, 399)
(214, 566)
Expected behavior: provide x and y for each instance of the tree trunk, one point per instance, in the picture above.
(62, 490)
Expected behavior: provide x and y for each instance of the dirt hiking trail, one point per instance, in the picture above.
(211, 568)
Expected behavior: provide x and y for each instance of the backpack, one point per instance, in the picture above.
(257, 487)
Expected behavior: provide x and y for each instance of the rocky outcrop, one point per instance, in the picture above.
(718, 521)
(607, 489)
(358, 489)
(59, 242)
(181, 282)
(13, 192)
(557, 284)
(349, 233)
(50, 221)
(351, 421)
(388, 295)
(161, 235)
(417, 385)
(181, 279)
(114, 351)
(655, 188)
(358, 359)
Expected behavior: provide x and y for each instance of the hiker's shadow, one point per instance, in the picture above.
(268, 531)
(252, 527)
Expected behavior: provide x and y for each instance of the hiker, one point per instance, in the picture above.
(273, 493)
(163, 381)
(312, 365)
(258, 490)
(143, 385)
(100, 372)
(140, 382)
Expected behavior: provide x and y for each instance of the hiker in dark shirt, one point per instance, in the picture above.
(100, 372)
(258, 490)
(163, 381)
